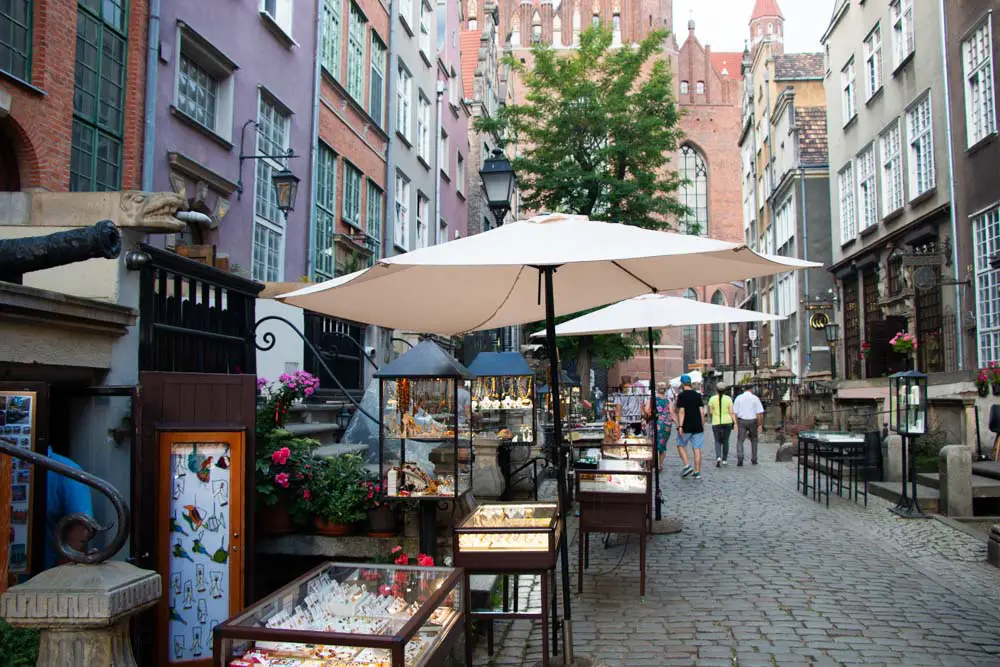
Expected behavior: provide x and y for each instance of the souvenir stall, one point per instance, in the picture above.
(425, 443)
(503, 409)
(510, 539)
(614, 496)
(350, 615)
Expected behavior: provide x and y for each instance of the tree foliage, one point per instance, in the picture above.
(595, 134)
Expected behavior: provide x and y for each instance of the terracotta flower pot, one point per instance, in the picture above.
(273, 520)
(382, 520)
(323, 527)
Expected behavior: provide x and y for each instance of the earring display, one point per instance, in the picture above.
(505, 535)
(308, 621)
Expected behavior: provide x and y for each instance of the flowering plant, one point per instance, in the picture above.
(276, 398)
(374, 492)
(866, 350)
(903, 342)
(400, 558)
(338, 495)
(984, 379)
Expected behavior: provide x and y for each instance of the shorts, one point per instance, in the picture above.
(696, 440)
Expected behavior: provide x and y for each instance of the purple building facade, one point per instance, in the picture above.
(453, 125)
(238, 78)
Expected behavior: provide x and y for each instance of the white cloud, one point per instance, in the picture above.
(724, 24)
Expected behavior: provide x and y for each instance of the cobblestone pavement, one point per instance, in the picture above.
(762, 575)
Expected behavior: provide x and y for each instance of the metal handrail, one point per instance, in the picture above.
(92, 556)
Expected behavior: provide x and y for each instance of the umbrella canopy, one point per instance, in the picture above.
(657, 311)
(492, 280)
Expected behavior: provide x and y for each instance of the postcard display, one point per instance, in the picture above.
(510, 538)
(18, 412)
(614, 497)
(202, 589)
(349, 615)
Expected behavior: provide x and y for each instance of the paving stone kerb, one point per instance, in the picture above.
(761, 575)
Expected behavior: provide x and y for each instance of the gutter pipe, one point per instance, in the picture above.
(314, 146)
(149, 101)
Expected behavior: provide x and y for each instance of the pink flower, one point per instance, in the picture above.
(384, 590)
(306, 495)
(402, 559)
(423, 560)
(378, 487)
(370, 495)
(281, 479)
(280, 456)
(261, 383)
(396, 549)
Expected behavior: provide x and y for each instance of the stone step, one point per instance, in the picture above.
(982, 487)
(308, 413)
(989, 469)
(927, 497)
(326, 433)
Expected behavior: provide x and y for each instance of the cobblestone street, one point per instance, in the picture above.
(761, 575)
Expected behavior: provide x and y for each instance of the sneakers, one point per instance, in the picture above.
(687, 471)
(718, 462)
(697, 475)
(739, 464)
(725, 462)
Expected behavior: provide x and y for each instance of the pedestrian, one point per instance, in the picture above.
(690, 419)
(64, 497)
(664, 419)
(720, 412)
(749, 412)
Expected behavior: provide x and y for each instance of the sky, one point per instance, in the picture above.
(724, 23)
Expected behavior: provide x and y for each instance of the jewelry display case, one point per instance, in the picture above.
(632, 449)
(425, 444)
(616, 477)
(503, 398)
(509, 537)
(349, 615)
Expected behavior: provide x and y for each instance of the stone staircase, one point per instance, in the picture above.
(321, 421)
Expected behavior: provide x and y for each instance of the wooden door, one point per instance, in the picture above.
(201, 537)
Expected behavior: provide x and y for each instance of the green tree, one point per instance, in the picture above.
(596, 131)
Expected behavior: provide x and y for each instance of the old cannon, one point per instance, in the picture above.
(35, 253)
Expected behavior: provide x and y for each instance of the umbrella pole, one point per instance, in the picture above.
(550, 342)
(656, 425)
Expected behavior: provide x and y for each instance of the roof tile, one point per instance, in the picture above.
(799, 66)
(813, 144)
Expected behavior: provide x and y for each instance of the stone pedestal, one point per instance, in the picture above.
(487, 481)
(893, 458)
(955, 468)
(83, 612)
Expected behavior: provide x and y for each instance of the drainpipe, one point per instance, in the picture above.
(149, 121)
(437, 176)
(314, 144)
(769, 203)
(960, 342)
(389, 229)
(805, 255)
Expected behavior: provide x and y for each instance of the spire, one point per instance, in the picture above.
(766, 9)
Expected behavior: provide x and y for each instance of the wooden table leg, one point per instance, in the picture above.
(586, 550)
(545, 619)
(642, 564)
(579, 562)
(555, 613)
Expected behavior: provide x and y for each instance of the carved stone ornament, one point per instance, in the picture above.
(141, 209)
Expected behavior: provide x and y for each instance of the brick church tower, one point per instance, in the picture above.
(767, 22)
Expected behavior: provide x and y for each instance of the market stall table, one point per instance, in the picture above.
(388, 615)
(614, 497)
(510, 539)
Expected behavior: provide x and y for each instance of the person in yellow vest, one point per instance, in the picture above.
(720, 411)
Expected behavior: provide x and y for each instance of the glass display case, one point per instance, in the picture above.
(630, 448)
(509, 537)
(425, 444)
(614, 476)
(349, 615)
(503, 398)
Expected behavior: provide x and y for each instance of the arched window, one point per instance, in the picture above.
(700, 87)
(515, 29)
(719, 334)
(557, 31)
(690, 337)
(473, 14)
(770, 28)
(536, 27)
(694, 191)
(576, 24)
(684, 87)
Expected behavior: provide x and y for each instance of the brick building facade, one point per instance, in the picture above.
(48, 142)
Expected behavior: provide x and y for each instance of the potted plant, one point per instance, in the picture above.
(338, 498)
(983, 381)
(995, 377)
(903, 343)
(381, 516)
(866, 350)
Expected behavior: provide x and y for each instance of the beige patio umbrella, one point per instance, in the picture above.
(497, 278)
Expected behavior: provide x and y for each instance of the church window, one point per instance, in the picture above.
(700, 87)
(684, 87)
(770, 28)
(694, 191)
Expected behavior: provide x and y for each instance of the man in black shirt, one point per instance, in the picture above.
(690, 421)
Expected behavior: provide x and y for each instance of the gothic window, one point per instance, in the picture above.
(576, 24)
(718, 334)
(597, 13)
(557, 30)
(515, 30)
(690, 337)
(536, 28)
(473, 14)
(694, 191)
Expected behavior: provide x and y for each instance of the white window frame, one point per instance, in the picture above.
(375, 198)
(920, 147)
(332, 38)
(216, 66)
(873, 61)
(460, 174)
(280, 13)
(867, 201)
(443, 154)
(784, 218)
(406, 14)
(404, 92)
(891, 151)
(903, 38)
(401, 212)
(699, 88)
(978, 75)
(353, 183)
(986, 243)
(848, 212)
(264, 195)
(357, 43)
(849, 91)
(423, 127)
(378, 58)
(454, 83)
(424, 36)
(685, 86)
(423, 220)
(324, 265)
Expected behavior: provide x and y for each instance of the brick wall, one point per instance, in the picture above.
(40, 125)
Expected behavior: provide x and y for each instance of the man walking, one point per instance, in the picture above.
(749, 417)
(720, 412)
(690, 426)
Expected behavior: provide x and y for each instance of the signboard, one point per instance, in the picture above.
(18, 411)
(924, 259)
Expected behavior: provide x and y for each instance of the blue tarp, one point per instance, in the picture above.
(500, 364)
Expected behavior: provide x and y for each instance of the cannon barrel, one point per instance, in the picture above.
(35, 253)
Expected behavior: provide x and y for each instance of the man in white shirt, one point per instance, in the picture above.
(749, 413)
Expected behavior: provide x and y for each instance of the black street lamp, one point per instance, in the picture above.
(832, 331)
(286, 187)
(732, 390)
(908, 418)
(499, 181)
